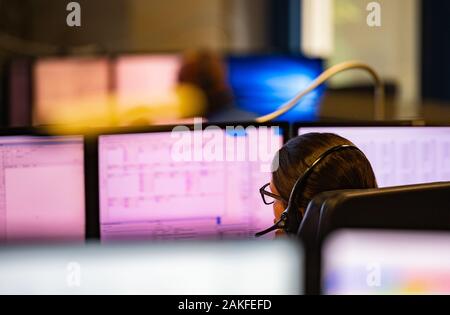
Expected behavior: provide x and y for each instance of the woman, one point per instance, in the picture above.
(347, 168)
(206, 70)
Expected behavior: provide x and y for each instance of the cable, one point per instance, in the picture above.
(379, 110)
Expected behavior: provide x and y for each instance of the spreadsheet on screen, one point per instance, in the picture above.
(145, 193)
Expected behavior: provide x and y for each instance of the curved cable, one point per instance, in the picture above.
(379, 110)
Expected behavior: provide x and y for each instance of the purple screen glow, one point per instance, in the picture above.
(41, 188)
(400, 155)
(147, 193)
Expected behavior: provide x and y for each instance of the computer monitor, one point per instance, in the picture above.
(71, 90)
(386, 262)
(186, 184)
(41, 188)
(211, 268)
(262, 83)
(399, 155)
(146, 80)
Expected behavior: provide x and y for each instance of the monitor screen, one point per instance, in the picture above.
(71, 90)
(400, 155)
(186, 184)
(146, 80)
(261, 84)
(381, 262)
(223, 268)
(41, 188)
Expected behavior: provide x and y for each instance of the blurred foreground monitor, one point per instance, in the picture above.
(251, 268)
(386, 262)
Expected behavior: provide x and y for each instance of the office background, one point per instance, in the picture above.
(400, 49)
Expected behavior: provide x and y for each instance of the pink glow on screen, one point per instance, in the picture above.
(42, 188)
(146, 193)
(63, 86)
(400, 155)
(146, 80)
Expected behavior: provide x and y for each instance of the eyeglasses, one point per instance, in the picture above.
(267, 196)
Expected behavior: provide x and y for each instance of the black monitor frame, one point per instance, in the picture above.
(92, 160)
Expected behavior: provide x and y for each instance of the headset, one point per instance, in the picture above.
(291, 217)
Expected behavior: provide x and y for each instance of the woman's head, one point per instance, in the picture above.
(344, 169)
(206, 70)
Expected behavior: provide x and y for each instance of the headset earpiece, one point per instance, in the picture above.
(291, 217)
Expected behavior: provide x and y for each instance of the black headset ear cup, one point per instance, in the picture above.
(293, 216)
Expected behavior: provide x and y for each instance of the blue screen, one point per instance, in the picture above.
(261, 84)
